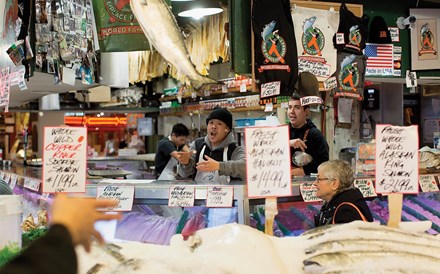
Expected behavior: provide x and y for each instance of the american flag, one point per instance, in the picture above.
(379, 56)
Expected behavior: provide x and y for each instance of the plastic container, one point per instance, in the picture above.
(10, 220)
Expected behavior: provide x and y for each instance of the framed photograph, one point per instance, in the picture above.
(424, 39)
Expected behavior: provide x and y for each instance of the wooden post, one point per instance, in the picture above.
(271, 211)
(395, 201)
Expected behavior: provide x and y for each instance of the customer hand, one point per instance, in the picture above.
(208, 165)
(79, 215)
(184, 156)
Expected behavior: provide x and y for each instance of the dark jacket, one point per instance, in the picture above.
(345, 213)
(317, 146)
(53, 253)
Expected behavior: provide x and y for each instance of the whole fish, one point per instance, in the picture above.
(267, 30)
(347, 60)
(161, 29)
(424, 28)
(308, 23)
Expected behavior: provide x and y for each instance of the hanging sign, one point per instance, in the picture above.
(64, 159)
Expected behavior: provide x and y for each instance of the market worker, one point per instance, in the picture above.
(54, 253)
(215, 158)
(342, 203)
(167, 155)
(308, 146)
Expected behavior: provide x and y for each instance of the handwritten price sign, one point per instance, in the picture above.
(123, 194)
(428, 183)
(397, 159)
(181, 196)
(64, 159)
(366, 186)
(268, 161)
(219, 196)
(270, 89)
(308, 192)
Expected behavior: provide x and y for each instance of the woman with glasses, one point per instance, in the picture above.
(343, 203)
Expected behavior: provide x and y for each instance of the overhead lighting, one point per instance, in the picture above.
(199, 8)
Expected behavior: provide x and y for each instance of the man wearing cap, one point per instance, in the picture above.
(308, 146)
(215, 158)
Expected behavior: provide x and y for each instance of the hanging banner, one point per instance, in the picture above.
(314, 29)
(64, 159)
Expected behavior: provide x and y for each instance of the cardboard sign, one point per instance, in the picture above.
(397, 159)
(308, 192)
(220, 196)
(270, 89)
(32, 184)
(268, 161)
(181, 196)
(366, 186)
(64, 159)
(123, 194)
(428, 183)
(311, 100)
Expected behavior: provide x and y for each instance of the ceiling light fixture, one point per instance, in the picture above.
(199, 8)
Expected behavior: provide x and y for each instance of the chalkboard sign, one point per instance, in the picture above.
(268, 161)
(64, 159)
(397, 159)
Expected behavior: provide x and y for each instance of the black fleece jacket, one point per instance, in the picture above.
(317, 146)
(345, 213)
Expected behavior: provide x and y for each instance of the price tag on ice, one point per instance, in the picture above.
(366, 186)
(65, 157)
(220, 196)
(181, 196)
(32, 184)
(428, 183)
(308, 192)
(268, 161)
(123, 194)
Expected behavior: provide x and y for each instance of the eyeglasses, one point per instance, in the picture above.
(322, 179)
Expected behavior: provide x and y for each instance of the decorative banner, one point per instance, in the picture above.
(397, 159)
(220, 196)
(64, 159)
(428, 183)
(123, 194)
(181, 196)
(270, 89)
(268, 161)
(366, 186)
(308, 192)
(311, 100)
(32, 184)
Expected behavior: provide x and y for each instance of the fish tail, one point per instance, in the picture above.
(202, 81)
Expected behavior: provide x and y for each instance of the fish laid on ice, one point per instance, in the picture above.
(160, 26)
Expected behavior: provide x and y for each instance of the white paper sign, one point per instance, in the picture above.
(13, 182)
(397, 159)
(270, 89)
(268, 107)
(7, 177)
(330, 83)
(123, 194)
(181, 196)
(311, 100)
(340, 38)
(428, 183)
(32, 184)
(64, 159)
(268, 161)
(308, 192)
(366, 186)
(220, 196)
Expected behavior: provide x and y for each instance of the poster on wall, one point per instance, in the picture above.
(424, 39)
(64, 159)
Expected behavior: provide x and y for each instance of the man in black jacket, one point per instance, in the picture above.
(72, 223)
(305, 137)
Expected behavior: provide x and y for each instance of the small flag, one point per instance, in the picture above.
(379, 55)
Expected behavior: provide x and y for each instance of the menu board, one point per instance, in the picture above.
(64, 159)
(397, 159)
(268, 161)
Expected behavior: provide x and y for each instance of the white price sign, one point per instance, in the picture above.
(308, 192)
(32, 184)
(220, 196)
(428, 183)
(181, 196)
(366, 186)
(123, 194)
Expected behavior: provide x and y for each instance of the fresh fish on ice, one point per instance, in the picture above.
(160, 26)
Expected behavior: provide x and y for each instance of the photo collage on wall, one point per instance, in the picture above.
(64, 37)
